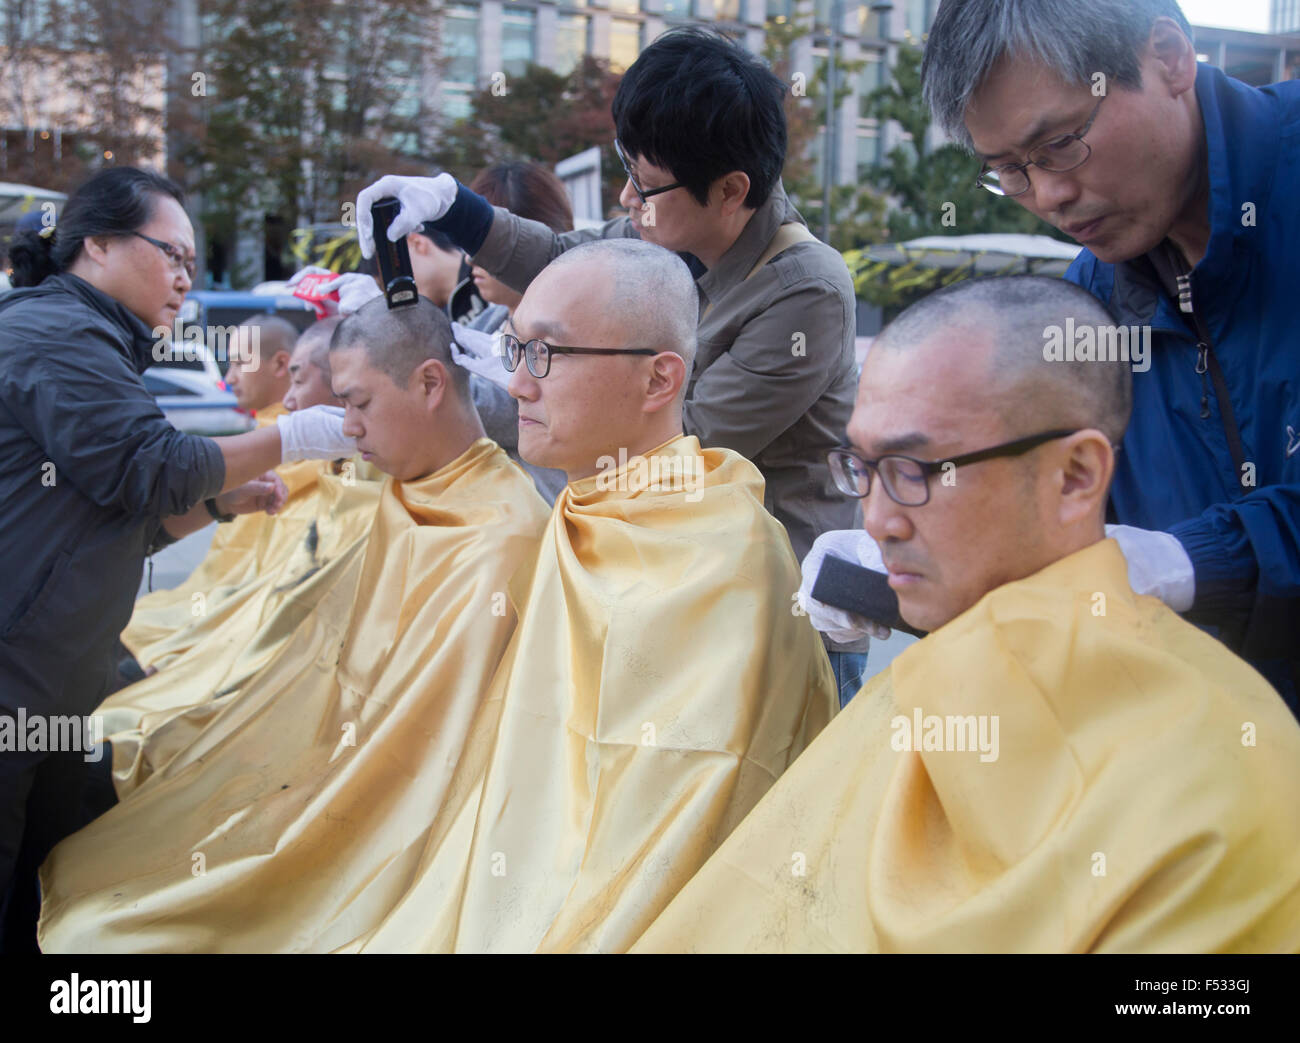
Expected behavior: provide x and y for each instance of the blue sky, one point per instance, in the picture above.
(1235, 14)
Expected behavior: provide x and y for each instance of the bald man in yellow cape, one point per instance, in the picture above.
(1062, 765)
(661, 678)
(233, 635)
(168, 622)
(294, 819)
(239, 636)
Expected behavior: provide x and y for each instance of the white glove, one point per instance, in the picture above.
(315, 433)
(311, 269)
(422, 199)
(1157, 565)
(479, 353)
(852, 545)
(355, 289)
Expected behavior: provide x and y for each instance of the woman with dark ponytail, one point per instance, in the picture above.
(94, 479)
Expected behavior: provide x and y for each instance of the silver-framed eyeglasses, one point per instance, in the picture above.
(1057, 156)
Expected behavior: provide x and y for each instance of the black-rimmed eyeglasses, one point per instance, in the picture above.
(1056, 156)
(537, 353)
(642, 193)
(180, 262)
(906, 479)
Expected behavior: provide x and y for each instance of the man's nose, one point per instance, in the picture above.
(1051, 191)
(183, 281)
(523, 385)
(628, 199)
(352, 426)
(882, 517)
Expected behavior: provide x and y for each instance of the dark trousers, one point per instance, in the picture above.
(44, 796)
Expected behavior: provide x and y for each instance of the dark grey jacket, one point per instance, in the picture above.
(91, 467)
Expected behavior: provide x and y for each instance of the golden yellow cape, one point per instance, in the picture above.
(1143, 797)
(296, 818)
(658, 684)
(240, 552)
(217, 654)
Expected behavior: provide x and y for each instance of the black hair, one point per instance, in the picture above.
(114, 201)
(699, 105)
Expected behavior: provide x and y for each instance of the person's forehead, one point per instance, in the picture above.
(1018, 104)
(169, 222)
(899, 396)
(565, 304)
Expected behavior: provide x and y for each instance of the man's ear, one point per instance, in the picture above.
(667, 376)
(1174, 55)
(280, 363)
(418, 244)
(1087, 462)
(730, 190)
(435, 381)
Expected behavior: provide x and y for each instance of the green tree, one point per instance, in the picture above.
(542, 116)
(934, 188)
(932, 191)
(857, 210)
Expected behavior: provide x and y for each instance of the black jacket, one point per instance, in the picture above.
(90, 468)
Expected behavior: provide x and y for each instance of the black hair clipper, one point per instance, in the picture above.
(842, 584)
(394, 258)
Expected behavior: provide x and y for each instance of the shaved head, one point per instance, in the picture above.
(972, 371)
(653, 291)
(314, 343)
(1015, 311)
(397, 340)
(274, 334)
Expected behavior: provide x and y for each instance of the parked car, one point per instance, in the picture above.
(207, 320)
(190, 401)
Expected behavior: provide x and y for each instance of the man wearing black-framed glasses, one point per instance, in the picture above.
(1021, 779)
(774, 374)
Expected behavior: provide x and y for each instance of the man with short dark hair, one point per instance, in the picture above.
(702, 135)
(1181, 184)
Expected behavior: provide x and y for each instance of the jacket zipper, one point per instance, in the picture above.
(1208, 363)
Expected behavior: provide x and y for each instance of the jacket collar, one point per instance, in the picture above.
(1241, 144)
(736, 263)
(139, 337)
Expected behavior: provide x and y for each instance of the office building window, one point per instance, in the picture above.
(871, 77)
(518, 40)
(677, 8)
(624, 43)
(625, 6)
(868, 152)
(571, 40)
(726, 10)
(460, 45)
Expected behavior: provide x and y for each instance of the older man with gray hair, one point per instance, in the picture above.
(1181, 184)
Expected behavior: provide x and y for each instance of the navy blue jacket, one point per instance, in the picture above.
(1180, 469)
